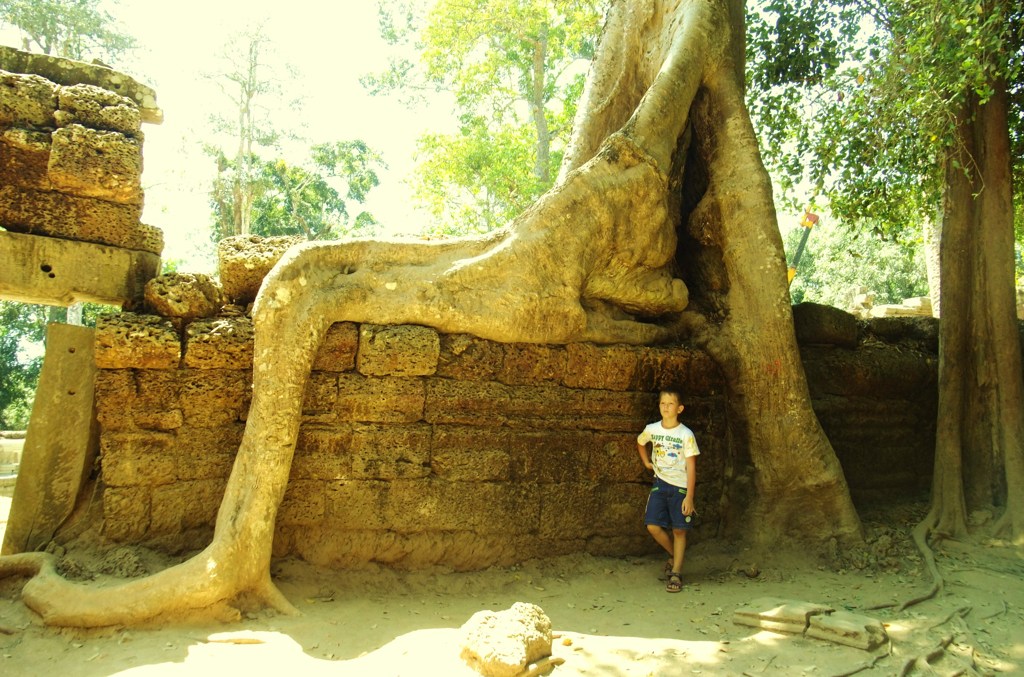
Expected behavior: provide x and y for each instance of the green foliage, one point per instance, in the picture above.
(22, 326)
(515, 71)
(310, 200)
(854, 100)
(838, 260)
(75, 29)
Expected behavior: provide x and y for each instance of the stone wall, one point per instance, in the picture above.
(421, 449)
(415, 449)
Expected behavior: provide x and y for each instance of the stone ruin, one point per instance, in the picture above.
(416, 448)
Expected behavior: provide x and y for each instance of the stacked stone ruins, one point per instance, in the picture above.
(416, 448)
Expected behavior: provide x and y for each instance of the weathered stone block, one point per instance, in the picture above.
(432, 504)
(170, 419)
(322, 452)
(570, 508)
(97, 108)
(24, 210)
(390, 452)
(69, 72)
(219, 343)
(132, 341)
(138, 459)
(693, 370)
(466, 402)
(213, 397)
(618, 411)
(617, 504)
(549, 457)
(613, 458)
(779, 615)
(303, 503)
(600, 367)
(470, 454)
(320, 399)
(530, 364)
(397, 350)
(98, 164)
(843, 627)
(504, 643)
(126, 513)
(339, 347)
(184, 295)
(115, 399)
(818, 323)
(380, 400)
(358, 505)
(158, 388)
(469, 358)
(244, 260)
(25, 158)
(26, 100)
(185, 505)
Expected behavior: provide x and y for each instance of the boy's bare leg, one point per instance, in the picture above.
(678, 550)
(661, 536)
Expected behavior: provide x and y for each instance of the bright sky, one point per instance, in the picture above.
(331, 44)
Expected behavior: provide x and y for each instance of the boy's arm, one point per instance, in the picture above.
(644, 456)
(691, 482)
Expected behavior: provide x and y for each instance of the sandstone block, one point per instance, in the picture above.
(570, 508)
(185, 505)
(470, 454)
(98, 164)
(115, 399)
(818, 323)
(69, 72)
(600, 367)
(390, 452)
(843, 627)
(357, 505)
(138, 459)
(467, 402)
(380, 400)
(530, 364)
(618, 411)
(549, 457)
(126, 513)
(779, 615)
(214, 397)
(51, 271)
(26, 100)
(469, 358)
(322, 452)
(303, 503)
(613, 458)
(677, 366)
(404, 350)
(219, 343)
(184, 295)
(504, 643)
(132, 341)
(97, 108)
(321, 397)
(339, 347)
(170, 419)
(24, 210)
(244, 260)
(431, 504)
(25, 158)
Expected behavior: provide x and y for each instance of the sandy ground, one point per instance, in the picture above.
(612, 617)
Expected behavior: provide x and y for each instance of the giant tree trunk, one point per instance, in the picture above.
(979, 455)
(665, 151)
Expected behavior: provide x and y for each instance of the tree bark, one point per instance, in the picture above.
(979, 455)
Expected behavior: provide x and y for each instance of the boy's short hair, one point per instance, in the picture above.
(672, 390)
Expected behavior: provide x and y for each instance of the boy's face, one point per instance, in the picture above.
(669, 406)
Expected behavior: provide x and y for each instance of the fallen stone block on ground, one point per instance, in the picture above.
(818, 621)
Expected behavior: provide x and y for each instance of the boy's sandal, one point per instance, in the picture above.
(666, 570)
(675, 583)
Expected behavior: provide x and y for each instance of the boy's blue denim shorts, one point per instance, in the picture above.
(665, 506)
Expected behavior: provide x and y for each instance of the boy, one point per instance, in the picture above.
(674, 462)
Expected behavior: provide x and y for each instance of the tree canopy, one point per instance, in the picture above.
(514, 69)
(75, 29)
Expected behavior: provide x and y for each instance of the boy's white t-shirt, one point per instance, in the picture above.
(671, 448)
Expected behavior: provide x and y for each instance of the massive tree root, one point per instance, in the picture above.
(593, 260)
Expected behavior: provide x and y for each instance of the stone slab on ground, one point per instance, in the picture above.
(817, 621)
(504, 643)
(844, 627)
(779, 615)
